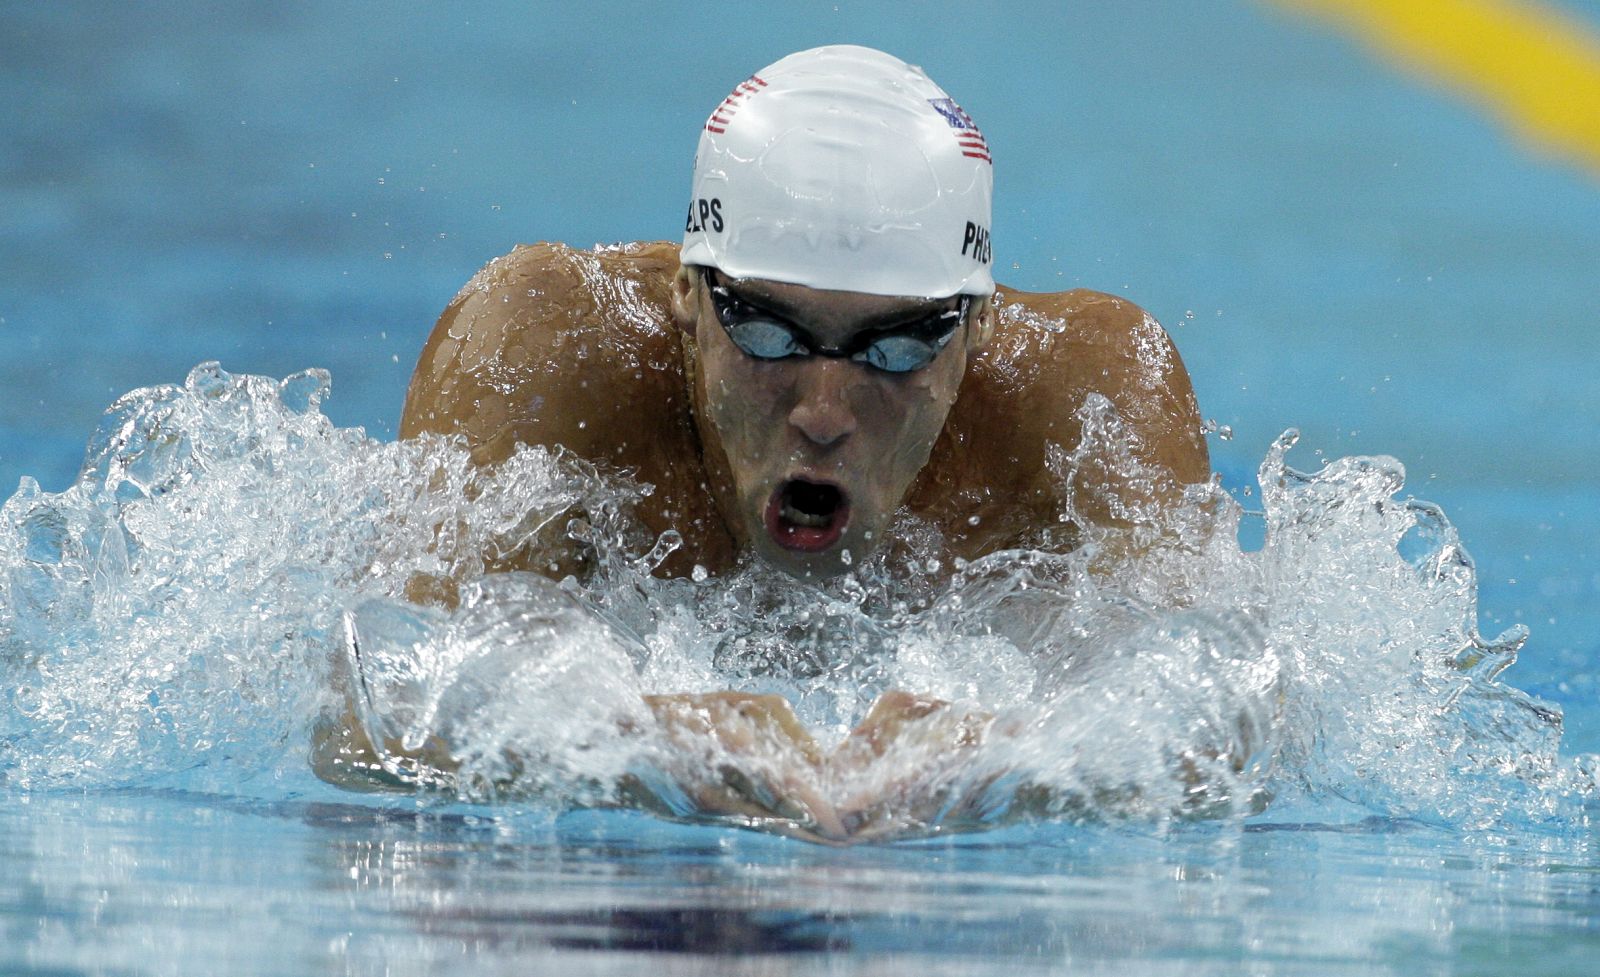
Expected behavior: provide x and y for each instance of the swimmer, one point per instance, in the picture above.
(826, 347)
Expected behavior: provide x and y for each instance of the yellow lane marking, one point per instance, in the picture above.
(1537, 68)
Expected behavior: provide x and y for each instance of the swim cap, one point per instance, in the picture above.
(843, 168)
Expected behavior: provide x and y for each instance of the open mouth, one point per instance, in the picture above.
(807, 516)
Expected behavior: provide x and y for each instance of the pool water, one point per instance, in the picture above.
(1339, 242)
(307, 887)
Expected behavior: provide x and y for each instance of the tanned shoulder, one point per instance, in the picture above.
(1023, 392)
(1099, 343)
(575, 349)
(551, 345)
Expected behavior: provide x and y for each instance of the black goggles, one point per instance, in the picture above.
(901, 348)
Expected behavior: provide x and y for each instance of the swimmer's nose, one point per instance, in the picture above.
(822, 412)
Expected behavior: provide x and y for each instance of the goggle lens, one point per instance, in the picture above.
(762, 336)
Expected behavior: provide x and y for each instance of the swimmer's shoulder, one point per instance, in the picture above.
(1093, 340)
(1023, 394)
(575, 349)
(1055, 349)
(554, 345)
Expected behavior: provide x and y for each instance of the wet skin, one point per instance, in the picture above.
(817, 420)
(617, 355)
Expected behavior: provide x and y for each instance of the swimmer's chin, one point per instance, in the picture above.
(807, 566)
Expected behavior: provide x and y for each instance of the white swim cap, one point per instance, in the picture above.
(843, 168)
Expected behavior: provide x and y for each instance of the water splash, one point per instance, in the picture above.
(174, 609)
(230, 569)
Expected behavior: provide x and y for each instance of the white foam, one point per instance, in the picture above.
(188, 610)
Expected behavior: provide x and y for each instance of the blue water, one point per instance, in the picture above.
(1336, 246)
(328, 888)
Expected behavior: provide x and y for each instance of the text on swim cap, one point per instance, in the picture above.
(705, 215)
(977, 239)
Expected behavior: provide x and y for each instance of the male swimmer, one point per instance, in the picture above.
(826, 347)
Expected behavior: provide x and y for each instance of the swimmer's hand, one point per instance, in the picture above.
(746, 757)
(898, 773)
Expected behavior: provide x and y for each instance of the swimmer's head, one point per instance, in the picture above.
(843, 168)
(836, 277)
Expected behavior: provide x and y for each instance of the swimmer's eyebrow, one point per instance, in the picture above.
(909, 315)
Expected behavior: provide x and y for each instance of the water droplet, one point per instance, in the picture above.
(27, 700)
(699, 574)
(847, 559)
(974, 520)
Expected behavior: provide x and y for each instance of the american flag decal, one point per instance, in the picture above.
(966, 131)
(723, 114)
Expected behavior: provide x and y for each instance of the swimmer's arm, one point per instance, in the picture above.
(346, 754)
(343, 754)
(724, 756)
(892, 777)
(922, 765)
(734, 756)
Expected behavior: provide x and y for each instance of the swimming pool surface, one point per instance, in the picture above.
(1341, 235)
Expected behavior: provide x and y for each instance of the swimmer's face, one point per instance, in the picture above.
(822, 449)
